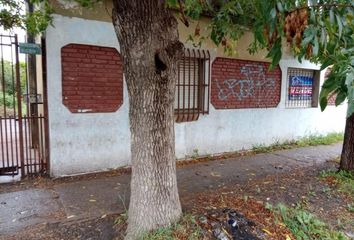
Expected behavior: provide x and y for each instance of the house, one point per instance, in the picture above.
(223, 103)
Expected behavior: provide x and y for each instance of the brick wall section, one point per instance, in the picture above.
(92, 78)
(331, 101)
(244, 84)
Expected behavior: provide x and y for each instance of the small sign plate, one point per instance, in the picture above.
(33, 98)
(30, 48)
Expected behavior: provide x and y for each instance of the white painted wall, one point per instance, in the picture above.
(82, 143)
(87, 142)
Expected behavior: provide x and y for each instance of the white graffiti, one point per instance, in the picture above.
(255, 83)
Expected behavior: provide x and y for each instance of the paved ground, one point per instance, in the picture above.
(100, 196)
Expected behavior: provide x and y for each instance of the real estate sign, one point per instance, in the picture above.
(300, 87)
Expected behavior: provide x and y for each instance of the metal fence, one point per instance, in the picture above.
(192, 86)
(22, 133)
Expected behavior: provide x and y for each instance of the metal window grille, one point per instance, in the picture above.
(301, 86)
(192, 85)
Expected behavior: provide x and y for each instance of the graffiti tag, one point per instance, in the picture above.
(255, 83)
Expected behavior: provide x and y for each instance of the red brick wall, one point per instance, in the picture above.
(92, 78)
(244, 84)
(332, 99)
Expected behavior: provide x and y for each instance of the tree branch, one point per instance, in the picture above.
(183, 18)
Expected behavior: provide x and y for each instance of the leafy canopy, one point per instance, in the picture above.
(321, 31)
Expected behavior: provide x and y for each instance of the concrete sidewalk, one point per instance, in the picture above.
(97, 197)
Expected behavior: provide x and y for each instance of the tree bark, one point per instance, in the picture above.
(347, 157)
(148, 38)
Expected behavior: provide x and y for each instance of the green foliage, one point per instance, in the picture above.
(275, 53)
(8, 96)
(13, 14)
(193, 9)
(344, 179)
(304, 225)
(10, 76)
(350, 207)
(87, 3)
(9, 100)
(10, 14)
(38, 21)
(229, 19)
(186, 228)
(312, 140)
(267, 29)
(330, 33)
(228, 24)
(121, 219)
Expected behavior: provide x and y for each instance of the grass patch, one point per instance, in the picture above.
(121, 219)
(304, 225)
(342, 179)
(186, 228)
(312, 140)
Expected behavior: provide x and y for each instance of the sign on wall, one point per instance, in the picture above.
(300, 87)
(33, 98)
(30, 48)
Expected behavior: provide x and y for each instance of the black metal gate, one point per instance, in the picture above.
(22, 130)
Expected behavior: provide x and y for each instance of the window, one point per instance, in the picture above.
(192, 86)
(302, 88)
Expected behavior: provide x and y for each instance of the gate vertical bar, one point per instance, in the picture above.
(15, 113)
(19, 105)
(4, 101)
(45, 107)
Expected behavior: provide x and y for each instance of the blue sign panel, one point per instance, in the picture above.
(300, 87)
(30, 48)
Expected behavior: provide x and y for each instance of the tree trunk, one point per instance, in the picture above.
(347, 158)
(148, 38)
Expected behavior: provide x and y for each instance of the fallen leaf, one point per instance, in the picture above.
(226, 233)
(267, 231)
(214, 174)
(281, 224)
